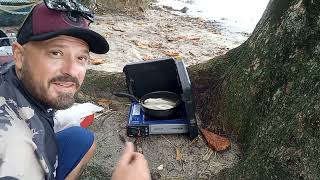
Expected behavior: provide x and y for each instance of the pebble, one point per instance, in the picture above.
(160, 167)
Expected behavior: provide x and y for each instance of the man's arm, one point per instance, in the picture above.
(17, 150)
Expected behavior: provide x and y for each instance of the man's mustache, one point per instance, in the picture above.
(65, 78)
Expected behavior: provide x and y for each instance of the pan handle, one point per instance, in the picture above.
(130, 96)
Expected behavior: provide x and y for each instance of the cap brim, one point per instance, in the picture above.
(97, 43)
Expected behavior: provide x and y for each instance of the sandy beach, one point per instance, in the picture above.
(158, 33)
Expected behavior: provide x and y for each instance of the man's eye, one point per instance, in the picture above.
(56, 53)
(83, 59)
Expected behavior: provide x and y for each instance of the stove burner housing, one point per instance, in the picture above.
(160, 75)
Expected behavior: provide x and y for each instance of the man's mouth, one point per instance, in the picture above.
(65, 83)
(64, 86)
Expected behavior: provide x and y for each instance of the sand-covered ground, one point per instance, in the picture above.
(159, 33)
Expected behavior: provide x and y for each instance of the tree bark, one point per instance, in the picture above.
(267, 93)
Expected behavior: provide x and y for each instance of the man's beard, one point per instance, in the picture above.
(63, 101)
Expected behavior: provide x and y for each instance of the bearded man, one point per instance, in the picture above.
(50, 61)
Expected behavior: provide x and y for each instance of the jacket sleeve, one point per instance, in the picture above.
(17, 150)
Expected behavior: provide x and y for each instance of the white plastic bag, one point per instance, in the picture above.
(76, 115)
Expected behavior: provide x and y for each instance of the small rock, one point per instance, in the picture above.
(139, 149)
(160, 167)
(184, 10)
(168, 8)
(155, 175)
(141, 9)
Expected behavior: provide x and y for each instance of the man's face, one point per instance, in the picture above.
(52, 70)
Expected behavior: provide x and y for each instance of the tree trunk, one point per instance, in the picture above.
(267, 93)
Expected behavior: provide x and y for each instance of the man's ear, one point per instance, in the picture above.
(18, 55)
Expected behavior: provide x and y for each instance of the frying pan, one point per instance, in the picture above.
(166, 95)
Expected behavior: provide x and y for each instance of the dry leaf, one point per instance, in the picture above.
(207, 156)
(169, 26)
(191, 53)
(178, 38)
(170, 53)
(194, 38)
(140, 23)
(139, 149)
(178, 58)
(178, 154)
(142, 47)
(97, 61)
(216, 142)
(140, 44)
(116, 28)
(183, 38)
(147, 57)
(288, 88)
(110, 22)
(169, 29)
(122, 139)
(195, 43)
(170, 39)
(153, 32)
(104, 102)
(108, 34)
(155, 45)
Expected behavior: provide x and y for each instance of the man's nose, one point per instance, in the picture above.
(70, 66)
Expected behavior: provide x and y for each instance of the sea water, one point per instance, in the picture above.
(234, 15)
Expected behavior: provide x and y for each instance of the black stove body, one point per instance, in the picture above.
(160, 75)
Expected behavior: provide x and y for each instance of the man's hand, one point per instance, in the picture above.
(131, 166)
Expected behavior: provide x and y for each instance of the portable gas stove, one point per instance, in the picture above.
(140, 124)
(160, 75)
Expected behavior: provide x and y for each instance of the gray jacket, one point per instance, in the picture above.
(26, 132)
